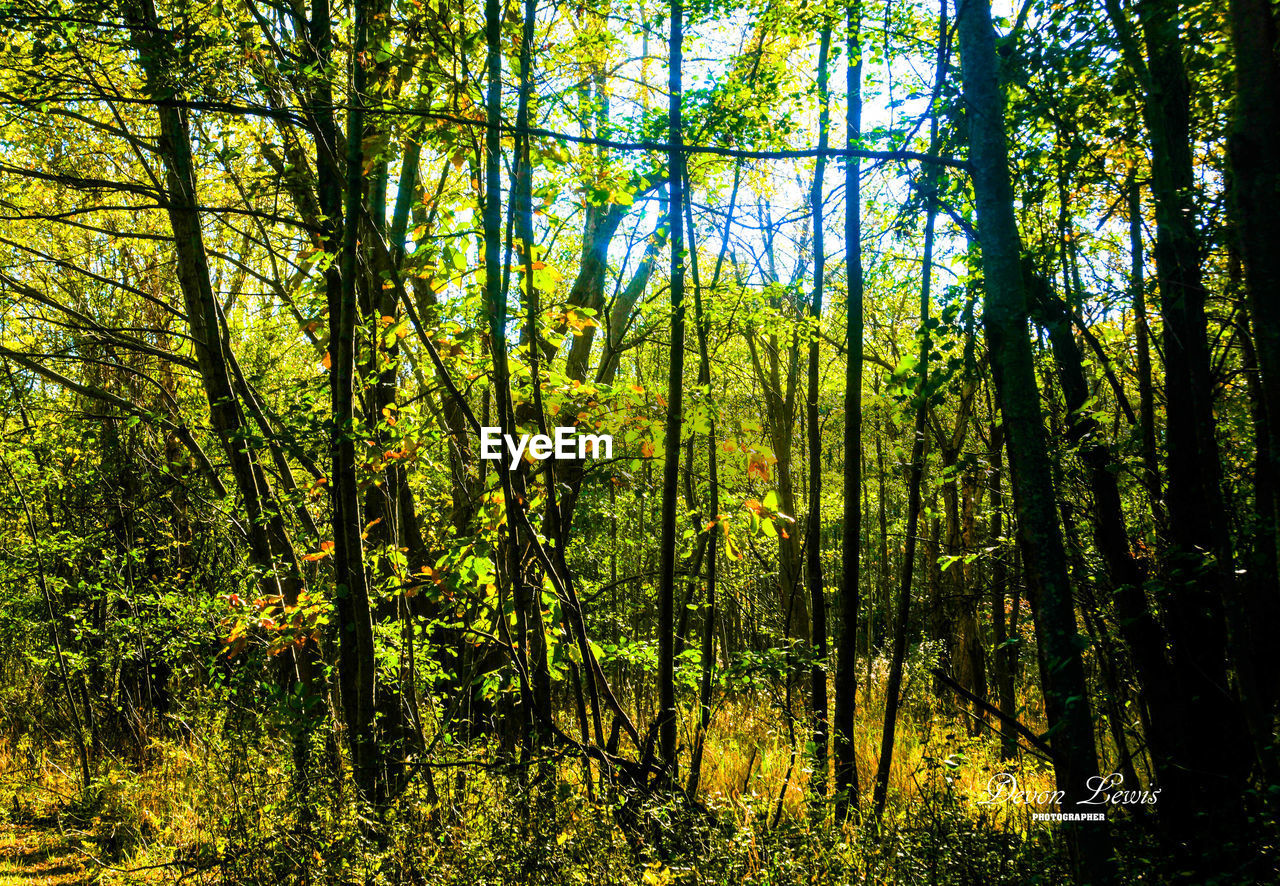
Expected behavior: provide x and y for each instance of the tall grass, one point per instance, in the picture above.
(217, 802)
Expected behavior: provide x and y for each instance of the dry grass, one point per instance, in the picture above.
(183, 800)
(141, 819)
(38, 857)
(749, 751)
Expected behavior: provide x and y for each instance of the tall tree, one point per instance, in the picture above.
(1005, 321)
(356, 647)
(1254, 180)
(1198, 591)
(702, 328)
(846, 683)
(813, 551)
(919, 443)
(1255, 177)
(675, 392)
(915, 478)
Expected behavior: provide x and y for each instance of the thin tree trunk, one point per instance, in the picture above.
(269, 543)
(675, 390)
(846, 683)
(702, 325)
(268, 540)
(356, 661)
(918, 448)
(1142, 332)
(915, 477)
(529, 606)
(900, 625)
(1005, 639)
(1137, 623)
(813, 552)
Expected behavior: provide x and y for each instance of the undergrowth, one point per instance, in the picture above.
(225, 798)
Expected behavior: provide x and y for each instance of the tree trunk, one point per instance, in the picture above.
(1005, 320)
(356, 660)
(813, 551)
(675, 390)
(916, 468)
(267, 537)
(1254, 180)
(846, 683)
(1199, 592)
(1142, 333)
(915, 477)
(1004, 648)
(1138, 626)
(529, 607)
(702, 324)
(900, 623)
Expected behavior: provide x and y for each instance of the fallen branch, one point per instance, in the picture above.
(1036, 741)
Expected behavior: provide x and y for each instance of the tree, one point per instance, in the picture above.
(1004, 320)
(675, 392)
(1201, 597)
(846, 769)
(919, 444)
(813, 545)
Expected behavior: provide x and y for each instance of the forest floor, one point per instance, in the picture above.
(41, 855)
(216, 808)
(31, 856)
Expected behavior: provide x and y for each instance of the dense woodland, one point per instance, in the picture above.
(940, 351)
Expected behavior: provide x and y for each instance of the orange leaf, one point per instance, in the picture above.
(326, 548)
(757, 466)
(327, 362)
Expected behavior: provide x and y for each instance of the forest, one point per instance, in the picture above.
(639, 442)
